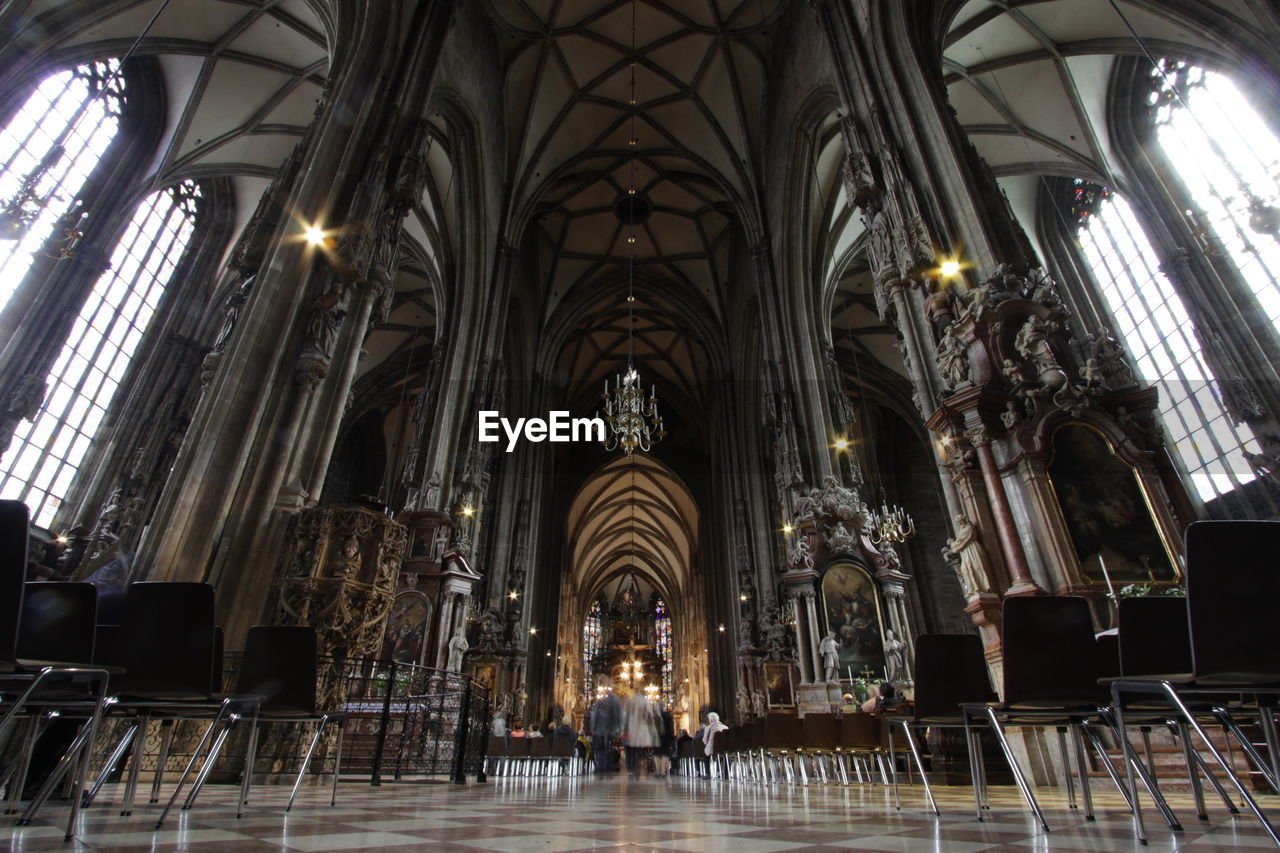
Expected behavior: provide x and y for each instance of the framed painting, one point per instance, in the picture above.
(404, 640)
(1106, 511)
(851, 606)
(778, 689)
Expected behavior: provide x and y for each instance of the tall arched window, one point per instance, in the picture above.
(47, 152)
(45, 454)
(592, 629)
(662, 635)
(1229, 160)
(1152, 320)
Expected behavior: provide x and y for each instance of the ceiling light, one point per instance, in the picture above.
(314, 235)
(949, 268)
(787, 528)
(532, 630)
(842, 444)
(468, 511)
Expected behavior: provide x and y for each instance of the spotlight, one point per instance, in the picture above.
(842, 444)
(314, 235)
(787, 528)
(949, 268)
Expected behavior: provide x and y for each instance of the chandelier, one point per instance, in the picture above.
(632, 422)
(891, 523)
(631, 669)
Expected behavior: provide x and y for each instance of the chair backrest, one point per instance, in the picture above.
(518, 747)
(562, 746)
(497, 746)
(1232, 588)
(58, 622)
(279, 665)
(951, 670)
(1154, 636)
(538, 746)
(859, 731)
(1108, 655)
(1050, 657)
(13, 572)
(167, 640)
(785, 732)
(820, 731)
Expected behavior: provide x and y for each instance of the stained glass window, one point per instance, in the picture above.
(662, 635)
(45, 453)
(1152, 321)
(1229, 160)
(47, 151)
(592, 629)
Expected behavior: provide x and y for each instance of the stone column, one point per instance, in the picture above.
(1006, 528)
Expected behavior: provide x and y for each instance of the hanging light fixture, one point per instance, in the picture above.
(632, 421)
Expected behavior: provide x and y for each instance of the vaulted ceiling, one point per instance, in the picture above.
(1029, 79)
(689, 145)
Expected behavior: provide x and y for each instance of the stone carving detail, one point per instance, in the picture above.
(22, 403)
(340, 576)
(1106, 363)
(773, 629)
(779, 419)
(953, 359)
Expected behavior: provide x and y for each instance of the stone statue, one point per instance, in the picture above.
(953, 359)
(503, 706)
(1113, 368)
(457, 648)
(231, 313)
(1012, 372)
(895, 657)
(829, 648)
(758, 704)
(973, 558)
(1091, 374)
(1032, 343)
(1010, 417)
(744, 703)
(801, 555)
(521, 697)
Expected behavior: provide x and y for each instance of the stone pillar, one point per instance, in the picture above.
(1006, 528)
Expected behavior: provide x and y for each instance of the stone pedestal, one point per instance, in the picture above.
(340, 577)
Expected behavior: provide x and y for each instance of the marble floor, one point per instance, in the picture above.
(516, 815)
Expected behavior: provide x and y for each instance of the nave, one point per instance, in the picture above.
(558, 814)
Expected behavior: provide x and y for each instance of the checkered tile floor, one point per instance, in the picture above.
(580, 813)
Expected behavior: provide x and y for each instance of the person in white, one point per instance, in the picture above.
(709, 732)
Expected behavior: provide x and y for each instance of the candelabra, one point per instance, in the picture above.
(891, 524)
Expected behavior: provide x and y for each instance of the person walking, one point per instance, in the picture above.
(666, 743)
(641, 728)
(606, 723)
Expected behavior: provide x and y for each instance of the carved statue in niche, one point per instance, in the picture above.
(953, 359)
(744, 702)
(759, 704)
(327, 313)
(973, 558)
(939, 307)
(457, 649)
(1011, 417)
(231, 312)
(1013, 372)
(801, 555)
(895, 657)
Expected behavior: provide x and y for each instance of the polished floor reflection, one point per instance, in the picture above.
(581, 813)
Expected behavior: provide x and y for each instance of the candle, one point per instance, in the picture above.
(1111, 590)
(850, 668)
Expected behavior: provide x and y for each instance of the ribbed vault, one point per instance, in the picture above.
(634, 513)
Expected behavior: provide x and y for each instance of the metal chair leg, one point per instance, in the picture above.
(306, 762)
(166, 744)
(1017, 770)
(915, 756)
(1178, 730)
(337, 766)
(969, 735)
(250, 756)
(1066, 767)
(200, 747)
(135, 765)
(1082, 768)
(112, 763)
(1193, 770)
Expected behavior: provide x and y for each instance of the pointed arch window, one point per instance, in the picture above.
(1152, 321)
(662, 637)
(592, 630)
(46, 453)
(1228, 158)
(47, 152)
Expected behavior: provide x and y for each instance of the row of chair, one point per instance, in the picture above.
(162, 662)
(781, 747)
(533, 756)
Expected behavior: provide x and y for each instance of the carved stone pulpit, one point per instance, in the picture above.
(340, 576)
